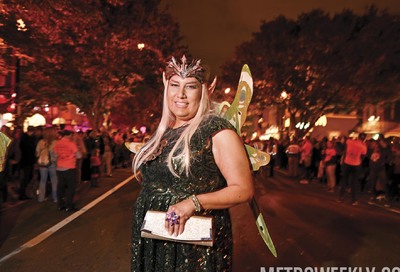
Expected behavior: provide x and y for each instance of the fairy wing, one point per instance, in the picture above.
(257, 157)
(236, 114)
(133, 146)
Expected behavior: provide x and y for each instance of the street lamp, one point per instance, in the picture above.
(285, 122)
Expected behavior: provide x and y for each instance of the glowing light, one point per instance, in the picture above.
(8, 116)
(272, 131)
(227, 90)
(135, 130)
(284, 95)
(260, 120)
(58, 121)
(375, 136)
(14, 95)
(301, 125)
(321, 122)
(140, 46)
(254, 135)
(21, 25)
(35, 120)
(5, 119)
(287, 123)
(374, 118)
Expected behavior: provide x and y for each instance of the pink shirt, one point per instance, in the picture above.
(306, 149)
(65, 151)
(354, 150)
(329, 153)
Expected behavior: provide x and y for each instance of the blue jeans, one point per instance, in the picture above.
(45, 172)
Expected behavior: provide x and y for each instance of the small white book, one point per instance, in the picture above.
(198, 229)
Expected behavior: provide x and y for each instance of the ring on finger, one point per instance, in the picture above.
(172, 218)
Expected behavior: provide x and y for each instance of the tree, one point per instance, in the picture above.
(86, 52)
(317, 60)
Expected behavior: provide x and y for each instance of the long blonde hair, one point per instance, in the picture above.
(49, 135)
(184, 140)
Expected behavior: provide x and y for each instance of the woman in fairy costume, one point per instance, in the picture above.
(194, 164)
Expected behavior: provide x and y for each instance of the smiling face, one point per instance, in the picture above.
(184, 95)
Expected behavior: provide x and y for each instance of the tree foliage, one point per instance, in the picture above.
(86, 52)
(324, 63)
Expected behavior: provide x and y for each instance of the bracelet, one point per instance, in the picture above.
(196, 203)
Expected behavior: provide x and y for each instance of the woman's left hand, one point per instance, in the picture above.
(182, 211)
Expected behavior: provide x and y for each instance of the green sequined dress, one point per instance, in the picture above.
(160, 189)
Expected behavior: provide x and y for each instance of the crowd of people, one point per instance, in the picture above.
(344, 164)
(49, 162)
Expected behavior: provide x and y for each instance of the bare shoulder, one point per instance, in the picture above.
(227, 142)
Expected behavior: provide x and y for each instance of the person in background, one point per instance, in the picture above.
(378, 166)
(340, 148)
(4, 143)
(271, 149)
(395, 178)
(85, 169)
(66, 153)
(306, 159)
(14, 154)
(28, 159)
(107, 157)
(281, 158)
(126, 153)
(77, 138)
(46, 144)
(95, 162)
(330, 159)
(195, 163)
(318, 155)
(118, 151)
(293, 154)
(38, 133)
(354, 153)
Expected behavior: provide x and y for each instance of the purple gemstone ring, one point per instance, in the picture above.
(172, 218)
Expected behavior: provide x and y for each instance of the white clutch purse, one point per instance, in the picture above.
(198, 229)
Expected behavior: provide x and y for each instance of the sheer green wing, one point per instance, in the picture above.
(133, 146)
(237, 112)
(257, 157)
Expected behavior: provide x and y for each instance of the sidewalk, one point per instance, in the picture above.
(364, 197)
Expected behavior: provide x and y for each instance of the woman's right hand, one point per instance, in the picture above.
(183, 210)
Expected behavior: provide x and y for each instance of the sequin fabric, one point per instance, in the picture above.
(161, 189)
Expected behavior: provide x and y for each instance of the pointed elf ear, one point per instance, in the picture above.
(212, 86)
(164, 79)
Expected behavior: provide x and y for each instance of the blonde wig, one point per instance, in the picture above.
(182, 146)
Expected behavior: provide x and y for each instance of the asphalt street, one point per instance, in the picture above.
(307, 224)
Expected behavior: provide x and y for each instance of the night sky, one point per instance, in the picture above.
(213, 28)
